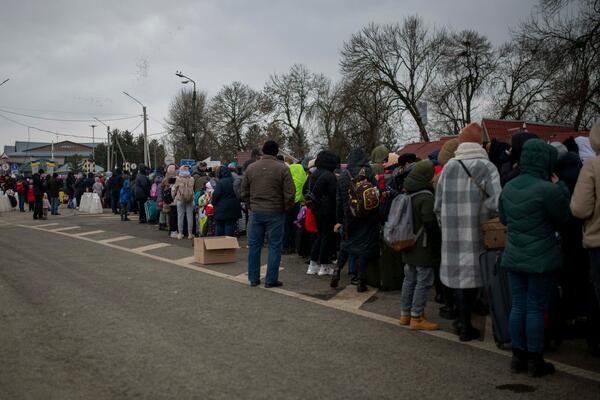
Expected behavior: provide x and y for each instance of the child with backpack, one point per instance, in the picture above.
(421, 250)
(183, 193)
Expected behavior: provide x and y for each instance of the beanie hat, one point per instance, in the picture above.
(392, 159)
(595, 136)
(447, 151)
(421, 175)
(471, 133)
(270, 148)
(561, 148)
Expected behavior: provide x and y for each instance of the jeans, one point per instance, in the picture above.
(54, 205)
(530, 296)
(359, 263)
(225, 228)
(417, 281)
(322, 247)
(595, 271)
(124, 210)
(271, 224)
(185, 210)
(21, 201)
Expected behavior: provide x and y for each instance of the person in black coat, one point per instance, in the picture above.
(360, 236)
(510, 169)
(116, 183)
(79, 187)
(227, 207)
(38, 192)
(142, 192)
(319, 192)
(53, 190)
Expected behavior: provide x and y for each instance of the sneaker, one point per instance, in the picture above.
(313, 268)
(190, 236)
(179, 236)
(329, 269)
(173, 235)
(324, 270)
(404, 320)
(421, 324)
(273, 285)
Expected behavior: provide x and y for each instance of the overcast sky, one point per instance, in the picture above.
(73, 59)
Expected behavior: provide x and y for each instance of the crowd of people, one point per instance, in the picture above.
(430, 212)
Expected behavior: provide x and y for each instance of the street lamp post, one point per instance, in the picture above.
(108, 148)
(186, 81)
(146, 155)
(93, 142)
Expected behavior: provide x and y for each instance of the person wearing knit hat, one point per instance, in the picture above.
(421, 261)
(472, 133)
(585, 205)
(392, 160)
(466, 195)
(447, 151)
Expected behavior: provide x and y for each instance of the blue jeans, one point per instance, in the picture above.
(417, 281)
(53, 205)
(260, 224)
(225, 228)
(21, 201)
(530, 296)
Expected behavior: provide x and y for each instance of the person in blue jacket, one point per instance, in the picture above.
(125, 198)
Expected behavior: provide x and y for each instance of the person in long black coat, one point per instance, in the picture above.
(39, 189)
(321, 186)
(360, 236)
(227, 207)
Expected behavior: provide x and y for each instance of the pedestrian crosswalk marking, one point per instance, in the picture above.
(149, 247)
(186, 260)
(115, 239)
(89, 233)
(66, 228)
(50, 224)
(349, 297)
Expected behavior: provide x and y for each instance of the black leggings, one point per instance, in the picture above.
(322, 247)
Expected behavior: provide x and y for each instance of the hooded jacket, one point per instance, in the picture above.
(227, 206)
(585, 203)
(299, 178)
(533, 208)
(378, 156)
(323, 183)
(510, 169)
(125, 194)
(142, 186)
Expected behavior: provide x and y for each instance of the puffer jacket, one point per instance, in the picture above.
(510, 169)
(533, 208)
(227, 206)
(299, 178)
(323, 183)
(268, 187)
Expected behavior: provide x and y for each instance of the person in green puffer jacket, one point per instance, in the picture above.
(532, 206)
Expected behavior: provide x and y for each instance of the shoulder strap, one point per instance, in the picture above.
(424, 191)
(473, 179)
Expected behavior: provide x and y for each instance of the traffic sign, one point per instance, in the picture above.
(133, 166)
(5, 167)
(189, 163)
(14, 167)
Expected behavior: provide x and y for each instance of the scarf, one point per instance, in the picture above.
(470, 151)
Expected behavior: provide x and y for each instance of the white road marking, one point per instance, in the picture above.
(186, 260)
(149, 247)
(66, 228)
(110, 217)
(351, 298)
(51, 224)
(487, 346)
(88, 233)
(115, 239)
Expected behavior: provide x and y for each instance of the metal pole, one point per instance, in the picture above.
(93, 142)
(146, 155)
(194, 118)
(52, 156)
(108, 148)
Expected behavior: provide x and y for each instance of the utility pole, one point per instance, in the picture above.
(186, 81)
(146, 148)
(108, 155)
(93, 142)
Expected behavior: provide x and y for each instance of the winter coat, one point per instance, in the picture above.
(38, 185)
(142, 187)
(299, 177)
(181, 182)
(79, 187)
(69, 187)
(227, 206)
(116, 183)
(533, 208)
(89, 184)
(125, 193)
(427, 251)
(323, 184)
(585, 203)
(360, 236)
(461, 207)
(510, 169)
(30, 196)
(267, 186)
(200, 181)
(53, 187)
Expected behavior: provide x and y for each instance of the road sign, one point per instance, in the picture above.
(133, 166)
(169, 160)
(189, 163)
(5, 167)
(14, 167)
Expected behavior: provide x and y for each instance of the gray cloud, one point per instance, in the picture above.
(77, 56)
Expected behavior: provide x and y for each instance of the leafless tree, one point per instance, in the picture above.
(402, 57)
(466, 66)
(290, 97)
(329, 112)
(234, 109)
(189, 129)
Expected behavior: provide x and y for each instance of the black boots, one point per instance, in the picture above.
(518, 363)
(463, 301)
(335, 279)
(537, 366)
(362, 286)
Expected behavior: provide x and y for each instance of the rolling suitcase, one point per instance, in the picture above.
(387, 272)
(497, 290)
(151, 211)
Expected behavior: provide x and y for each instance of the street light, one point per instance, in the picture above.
(93, 142)
(186, 81)
(146, 155)
(107, 144)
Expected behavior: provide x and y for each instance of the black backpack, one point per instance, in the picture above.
(168, 196)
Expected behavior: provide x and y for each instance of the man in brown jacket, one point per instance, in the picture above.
(585, 205)
(268, 190)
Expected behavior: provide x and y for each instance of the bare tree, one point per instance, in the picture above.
(329, 112)
(189, 128)
(290, 97)
(233, 110)
(402, 57)
(570, 31)
(466, 66)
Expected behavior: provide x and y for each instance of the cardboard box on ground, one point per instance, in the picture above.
(216, 250)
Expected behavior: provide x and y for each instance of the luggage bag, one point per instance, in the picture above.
(497, 290)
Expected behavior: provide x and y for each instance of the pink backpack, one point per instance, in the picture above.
(154, 190)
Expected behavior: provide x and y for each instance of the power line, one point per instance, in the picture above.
(64, 120)
(44, 130)
(64, 112)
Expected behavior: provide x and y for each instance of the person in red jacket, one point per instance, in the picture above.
(30, 196)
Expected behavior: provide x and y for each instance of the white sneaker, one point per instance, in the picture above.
(190, 236)
(313, 268)
(323, 270)
(179, 236)
(330, 269)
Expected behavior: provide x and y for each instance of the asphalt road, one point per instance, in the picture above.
(80, 320)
